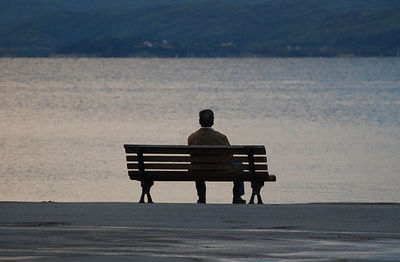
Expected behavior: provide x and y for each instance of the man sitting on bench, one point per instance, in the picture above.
(208, 136)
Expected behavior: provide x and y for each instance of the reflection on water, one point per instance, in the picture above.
(331, 126)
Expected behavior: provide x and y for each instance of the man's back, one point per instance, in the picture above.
(207, 136)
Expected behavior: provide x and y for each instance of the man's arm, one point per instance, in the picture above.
(226, 140)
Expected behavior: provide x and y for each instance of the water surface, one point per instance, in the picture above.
(331, 126)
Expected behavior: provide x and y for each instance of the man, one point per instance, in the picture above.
(208, 136)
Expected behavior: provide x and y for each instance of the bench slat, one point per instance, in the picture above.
(164, 158)
(188, 159)
(191, 176)
(184, 166)
(180, 149)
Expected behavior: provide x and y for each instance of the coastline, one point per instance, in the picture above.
(48, 231)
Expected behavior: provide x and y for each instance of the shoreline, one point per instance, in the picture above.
(208, 203)
(84, 231)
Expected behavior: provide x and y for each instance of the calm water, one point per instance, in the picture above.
(331, 126)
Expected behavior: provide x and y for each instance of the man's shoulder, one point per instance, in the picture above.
(217, 133)
(196, 133)
(219, 138)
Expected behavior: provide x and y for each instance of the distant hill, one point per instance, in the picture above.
(200, 28)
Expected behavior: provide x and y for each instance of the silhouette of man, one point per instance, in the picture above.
(208, 136)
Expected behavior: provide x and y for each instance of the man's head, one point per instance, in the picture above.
(206, 118)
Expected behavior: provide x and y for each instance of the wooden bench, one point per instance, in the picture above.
(149, 163)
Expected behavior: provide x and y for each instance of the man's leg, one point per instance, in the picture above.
(238, 191)
(201, 191)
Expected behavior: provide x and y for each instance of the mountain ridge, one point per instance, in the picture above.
(205, 28)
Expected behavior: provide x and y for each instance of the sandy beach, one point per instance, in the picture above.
(192, 232)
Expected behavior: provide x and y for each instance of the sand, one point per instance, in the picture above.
(193, 232)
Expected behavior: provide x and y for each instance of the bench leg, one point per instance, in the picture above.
(256, 186)
(146, 185)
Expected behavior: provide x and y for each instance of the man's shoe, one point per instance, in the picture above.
(238, 200)
(201, 201)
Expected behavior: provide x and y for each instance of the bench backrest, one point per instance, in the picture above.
(190, 163)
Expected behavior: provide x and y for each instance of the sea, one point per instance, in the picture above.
(331, 126)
